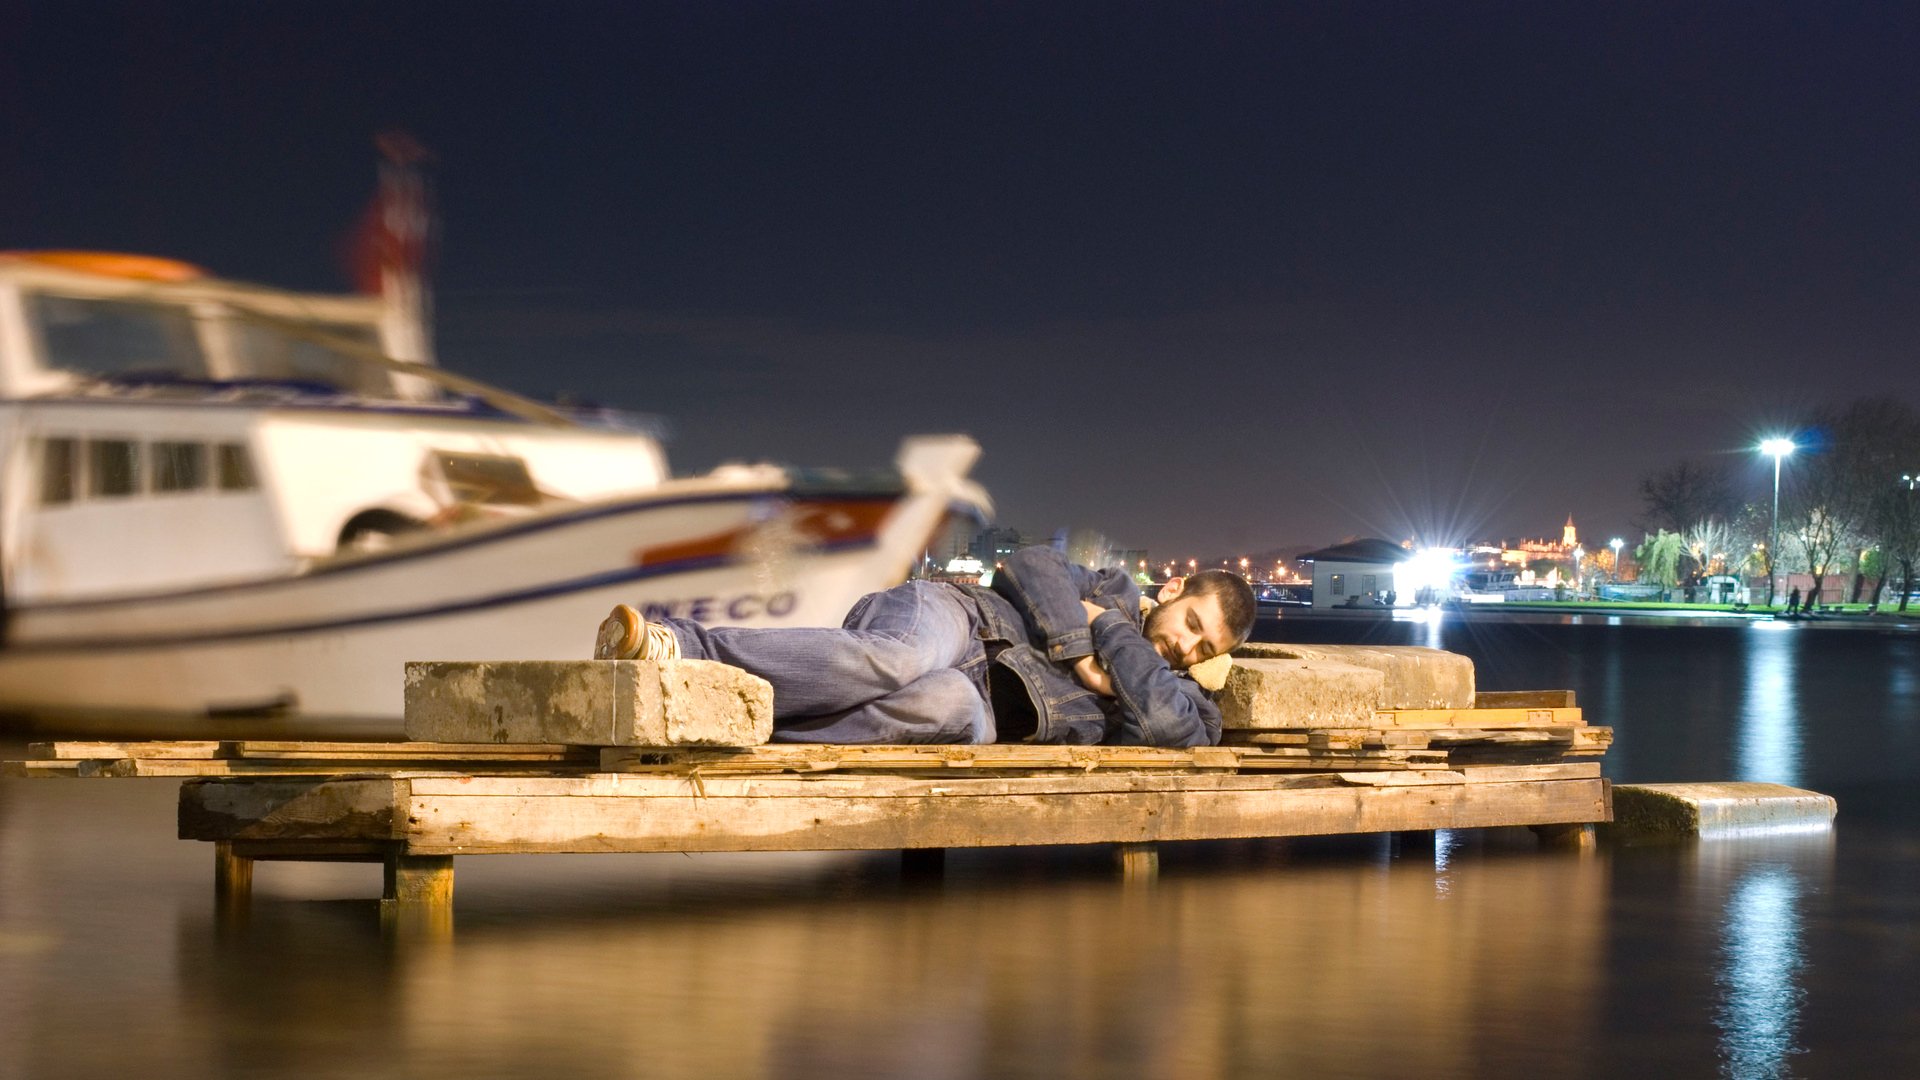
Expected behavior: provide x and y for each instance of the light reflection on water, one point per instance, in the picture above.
(1760, 1006)
(1763, 882)
(1769, 742)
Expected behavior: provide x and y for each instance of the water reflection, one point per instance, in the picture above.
(1291, 960)
(1767, 748)
(1765, 881)
(1760, 1001)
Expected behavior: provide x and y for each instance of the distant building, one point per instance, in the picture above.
(1358, 573)
(992, 546)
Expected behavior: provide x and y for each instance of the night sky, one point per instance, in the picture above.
(1207, 278)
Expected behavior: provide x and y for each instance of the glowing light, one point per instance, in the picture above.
(1427, 568)
(1778, 448)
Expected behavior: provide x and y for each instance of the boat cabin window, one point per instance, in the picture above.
(319, 353)
(485, 478)
(179, 466)
(113, 467)
(116, 338)
(56, 472)
(235, 468)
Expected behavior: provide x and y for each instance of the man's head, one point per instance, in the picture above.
(1201, 616)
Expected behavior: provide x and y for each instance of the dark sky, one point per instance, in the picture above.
(1205, 277)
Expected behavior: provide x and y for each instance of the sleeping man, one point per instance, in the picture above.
(1053, 652)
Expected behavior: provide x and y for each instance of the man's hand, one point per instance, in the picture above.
(1091, 675)
(1093, 610)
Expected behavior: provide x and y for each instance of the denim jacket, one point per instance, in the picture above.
(1033, 610)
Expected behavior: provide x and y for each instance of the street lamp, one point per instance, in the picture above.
(1777, 449)
(1616, 544)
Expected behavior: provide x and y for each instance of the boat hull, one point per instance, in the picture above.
(330, 643)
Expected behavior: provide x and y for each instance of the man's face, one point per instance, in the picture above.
(1189, 629)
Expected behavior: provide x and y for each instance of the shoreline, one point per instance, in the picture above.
(1587, 614)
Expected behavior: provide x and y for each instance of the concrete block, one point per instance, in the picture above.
(588, 703)
(1673, 810)
(1416, 677)
(1279, 693)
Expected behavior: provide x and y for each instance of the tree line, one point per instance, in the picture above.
(1849, 503)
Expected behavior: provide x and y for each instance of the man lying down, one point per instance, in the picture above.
(1053, 652)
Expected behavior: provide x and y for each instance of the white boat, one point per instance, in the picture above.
(225, 500)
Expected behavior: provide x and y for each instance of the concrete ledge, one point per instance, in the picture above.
(587, 703)
(1412, 676)
(1676, 810)
(1274, 693)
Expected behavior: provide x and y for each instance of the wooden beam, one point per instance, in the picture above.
(1565, 716)
(476, 820)
(245, 809)
(1524, 699)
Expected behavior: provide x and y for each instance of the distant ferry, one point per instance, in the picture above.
(222, 499)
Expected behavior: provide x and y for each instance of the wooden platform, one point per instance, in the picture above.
(1521, 759)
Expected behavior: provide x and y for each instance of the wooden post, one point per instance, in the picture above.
(1578, 838)
(232, 876)
(1139, 863)
(417, 899)
(418, 879)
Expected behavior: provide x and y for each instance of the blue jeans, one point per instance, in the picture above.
(906, 666)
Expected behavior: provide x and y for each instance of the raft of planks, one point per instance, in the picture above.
(1516, 760)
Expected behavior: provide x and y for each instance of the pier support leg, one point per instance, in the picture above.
(417, 898)
(418, 879)
(923, 864)
(1139, 863)
(232, 878)
(1567, 837)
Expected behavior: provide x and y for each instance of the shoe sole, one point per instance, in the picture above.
(619, 636)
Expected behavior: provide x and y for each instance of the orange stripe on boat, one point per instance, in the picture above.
(815, 522)
(112, 264)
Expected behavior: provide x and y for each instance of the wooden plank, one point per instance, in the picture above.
(468, 823)
(1397, 719)
(827, 785)
(128, 767)
(1449, 737)
(290, 809)
(39, 769)
(382, 751)
(1480, 718)
(1476, 774)
(1524, 699)
(1010, 756)
(198, 750)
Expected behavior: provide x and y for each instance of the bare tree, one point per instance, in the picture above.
(1709, 544)
(1893, 519)
(1829, 506)
(1675, 497)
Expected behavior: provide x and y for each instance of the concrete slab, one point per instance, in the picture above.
(1703, 809)
(1413, 676)
(588, 703)
(1297, 693)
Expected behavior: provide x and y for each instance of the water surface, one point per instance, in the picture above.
(1473, 955)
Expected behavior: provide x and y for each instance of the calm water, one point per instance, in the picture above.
(1473, 956)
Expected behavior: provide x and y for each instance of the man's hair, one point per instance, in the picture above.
(1236, 598)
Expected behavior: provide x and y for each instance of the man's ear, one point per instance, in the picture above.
(1172, 589)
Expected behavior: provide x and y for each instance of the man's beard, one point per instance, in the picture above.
(1152, 629)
